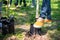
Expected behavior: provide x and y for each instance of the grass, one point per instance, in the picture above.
(26, 15)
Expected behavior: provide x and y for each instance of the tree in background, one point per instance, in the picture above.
(0, 8)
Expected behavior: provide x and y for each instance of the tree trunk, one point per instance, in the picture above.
(37, 9)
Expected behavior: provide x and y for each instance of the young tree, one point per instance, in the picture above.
(37, 9)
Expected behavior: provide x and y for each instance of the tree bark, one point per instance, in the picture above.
(37, 9)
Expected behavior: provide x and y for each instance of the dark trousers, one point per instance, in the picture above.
(10, 2)
(16, 2)
(46, 9)
(33, 2)
(24, 1)
(21, 2)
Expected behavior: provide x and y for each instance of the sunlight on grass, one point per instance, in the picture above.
(21, 14)
(12, 8)
(54, 0)
(24, 16)
(54, 6)
(20, 36)
(50, 24)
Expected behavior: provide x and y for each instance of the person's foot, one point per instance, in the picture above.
(17, 6)
(47, 21)
(39, 23)
(9, 5)
(20, 6)
(32, 6)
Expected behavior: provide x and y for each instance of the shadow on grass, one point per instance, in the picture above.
(18, 34)
(20, 30)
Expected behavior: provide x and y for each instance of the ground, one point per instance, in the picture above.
(24, 16)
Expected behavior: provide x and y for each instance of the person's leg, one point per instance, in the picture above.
(48, 19)
(20, 2)
(24, 1)
(33, 2)
(49, 14)
(43, 9)
(49, 10)
(40, 20)
(10, 2)
(16, 3)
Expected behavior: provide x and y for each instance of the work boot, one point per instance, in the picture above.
(47, 21)
(39, 23)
